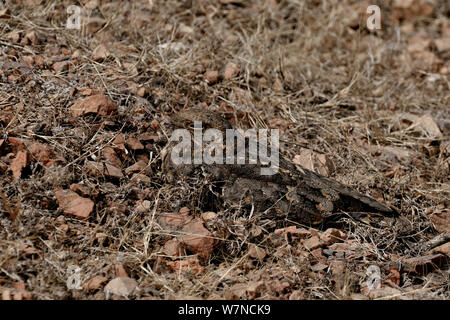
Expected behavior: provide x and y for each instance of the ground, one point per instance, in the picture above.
(85, 114)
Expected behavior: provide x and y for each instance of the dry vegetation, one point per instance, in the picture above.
(375, 103)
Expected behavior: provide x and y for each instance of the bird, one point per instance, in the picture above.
(292, 192)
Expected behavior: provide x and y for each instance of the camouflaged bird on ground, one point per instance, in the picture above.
(293, 192)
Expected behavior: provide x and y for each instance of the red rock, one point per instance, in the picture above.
(155, 124)
(317, 254)
(76, 54)
(32, 37)
(100, 53)
(66, 52)
(173, 248)
(109, 154)
(425, 264)
(119, 142)
(13, 36)
(331, 236)
(98, 104)
(91, 92)
(29, 60)
(190, 265)
(134, 144)
(208, 216)
(256, 253)
(143, 206)
(42, 153)
(139, 166)
(278, 286)
(312, 243)
(212, 76)
(142, 91)
(384, 292)
(120, 271)
(4, 13)
(393, 277)
(198, 239)
(72, 204)
(39, 61)
(337, 268)
(297, 295)
(442, 44)
(17, 144)
(101, 238)
(445, 249)
(102, 169)
(146, 136)
(60, 66)
(18, 163)
(94, 283)
(93, 24)
(140, 178)
(300, 233)
(412, 9)
(121, 286)
(248, 291)
(236, 292)
(231, 70)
